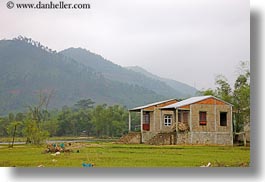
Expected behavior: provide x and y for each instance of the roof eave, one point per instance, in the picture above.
(138, 109)
(166, 107)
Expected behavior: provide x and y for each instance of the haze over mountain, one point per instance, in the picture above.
(166, 87)
(29, 69)
(186, 90)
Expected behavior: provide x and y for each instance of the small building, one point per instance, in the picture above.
(197, 120)
(150, 118)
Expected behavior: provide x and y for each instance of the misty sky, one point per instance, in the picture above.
(191, 41)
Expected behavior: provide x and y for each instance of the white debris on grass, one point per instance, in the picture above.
(208, 165)
(56, 153)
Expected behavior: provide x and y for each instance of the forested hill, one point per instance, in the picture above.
(166, 87)
(186, 90)
(29, 69)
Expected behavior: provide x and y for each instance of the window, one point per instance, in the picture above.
(223, 118)
(146, 121)
(203, 120)
(146, 118)
(167, 120)
(183, 116)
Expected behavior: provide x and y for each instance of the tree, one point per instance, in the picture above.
(99, 119)
(4, 122)
(85, 123)
(12, 128)
(84, 104)
(109, 120)
(35, 119)
(118, 128)
(51, 126)
(223, 89)
(207, 92)
(64, 122)
(241, 97)
(3, 129)
(35, 134)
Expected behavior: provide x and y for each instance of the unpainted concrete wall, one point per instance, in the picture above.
(205, 138)
(213, 118)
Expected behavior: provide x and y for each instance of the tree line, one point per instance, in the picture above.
(83, 119)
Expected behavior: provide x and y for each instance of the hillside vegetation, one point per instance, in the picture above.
(29, 69)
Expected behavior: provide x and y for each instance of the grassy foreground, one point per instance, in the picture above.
(122, 155)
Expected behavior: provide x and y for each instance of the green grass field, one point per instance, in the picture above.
(122, 155)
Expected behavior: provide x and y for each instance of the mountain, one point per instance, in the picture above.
(30, 70)
(166, 87)
(186, 90)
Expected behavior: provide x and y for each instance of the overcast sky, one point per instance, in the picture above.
(191, 41)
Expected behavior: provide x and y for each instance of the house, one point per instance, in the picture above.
(150, 121)
(197, 120)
